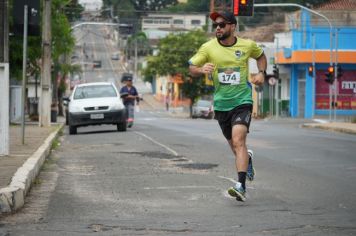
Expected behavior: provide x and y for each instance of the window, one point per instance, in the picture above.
(178, 22)
(148, 21)
(94, 91)
(195, 22)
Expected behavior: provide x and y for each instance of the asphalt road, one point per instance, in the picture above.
(169, 176)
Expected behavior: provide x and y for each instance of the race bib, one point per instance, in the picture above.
(229, 76)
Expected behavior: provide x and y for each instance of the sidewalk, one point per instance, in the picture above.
(151, 103)
(343, 127)
(20, 168)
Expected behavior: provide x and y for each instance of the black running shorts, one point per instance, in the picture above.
(239, 115)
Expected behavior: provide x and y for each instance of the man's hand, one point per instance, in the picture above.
(258, 79)
(207, 68)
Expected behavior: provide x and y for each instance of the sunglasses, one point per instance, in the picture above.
(220, 24)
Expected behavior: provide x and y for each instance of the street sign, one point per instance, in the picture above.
(272, 81)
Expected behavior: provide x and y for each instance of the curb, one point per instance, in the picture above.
(13, 196)
(335, 129)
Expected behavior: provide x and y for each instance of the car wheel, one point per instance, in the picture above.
(122, 126)
(72, 129)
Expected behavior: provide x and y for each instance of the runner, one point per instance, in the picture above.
(226, 59)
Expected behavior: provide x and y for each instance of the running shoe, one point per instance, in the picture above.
(250, 170)
(237, 192)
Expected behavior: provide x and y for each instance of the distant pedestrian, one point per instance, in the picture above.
(167, 100)
(226, 59)
(129, 96)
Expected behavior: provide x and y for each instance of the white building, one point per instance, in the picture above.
(173, 21)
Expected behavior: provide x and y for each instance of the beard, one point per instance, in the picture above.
(223, 36)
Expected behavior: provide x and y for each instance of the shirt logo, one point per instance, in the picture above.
(239, 54)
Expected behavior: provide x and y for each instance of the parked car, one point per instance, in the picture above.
(97, 64)
(95, 104)
(203, 109)
(115, 56)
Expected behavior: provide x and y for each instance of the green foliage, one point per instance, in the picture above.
(73, 11)
(175, 51)
(191, 6)
(16, 55)
(62, 42)
(130, 11)
(141, 41)
(144, 5)
(172, 59)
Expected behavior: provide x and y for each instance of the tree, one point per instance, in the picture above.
(191, 6)
(131, 11)
(172, 59)
(63, 43)
(73, 11)
(144, 5)
(140, 41)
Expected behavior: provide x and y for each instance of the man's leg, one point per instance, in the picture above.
(250, 169)
(238, 145)
(130, 119)
(239, 133)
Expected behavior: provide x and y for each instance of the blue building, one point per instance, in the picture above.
(316, 46)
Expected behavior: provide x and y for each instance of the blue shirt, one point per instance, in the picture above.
(130, 91)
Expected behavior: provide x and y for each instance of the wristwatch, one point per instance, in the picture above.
(263, 72)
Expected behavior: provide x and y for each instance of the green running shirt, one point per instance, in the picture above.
(230, 75)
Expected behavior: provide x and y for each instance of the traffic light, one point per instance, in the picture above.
(330, 75)
(339, 72)
(275, 71)
(243, 7)
(310, 70)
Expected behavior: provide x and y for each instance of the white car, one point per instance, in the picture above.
(203, 109)
(95, 104)
(115, 56)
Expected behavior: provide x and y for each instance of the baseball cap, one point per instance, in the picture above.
(228, 16)
(126, 77)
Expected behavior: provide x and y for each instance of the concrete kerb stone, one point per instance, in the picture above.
(13, 196)
(329, 128)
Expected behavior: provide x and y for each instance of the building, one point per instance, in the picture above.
(316, 44)
(173, 22)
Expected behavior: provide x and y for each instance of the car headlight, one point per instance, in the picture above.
(117, 106)
(74, 109)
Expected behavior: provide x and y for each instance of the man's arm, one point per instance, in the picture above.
(262, 63)
(259, 78)
(196, 71)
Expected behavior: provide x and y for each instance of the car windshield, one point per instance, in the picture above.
(95, 91)
(203, 103)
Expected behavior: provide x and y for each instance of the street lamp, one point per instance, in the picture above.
(316, 13)
(305, 8)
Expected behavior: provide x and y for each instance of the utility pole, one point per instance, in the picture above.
(4, 79)
(210, 24)
(46, 96)
(330, 37)
(24, 65)
(135, 65)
